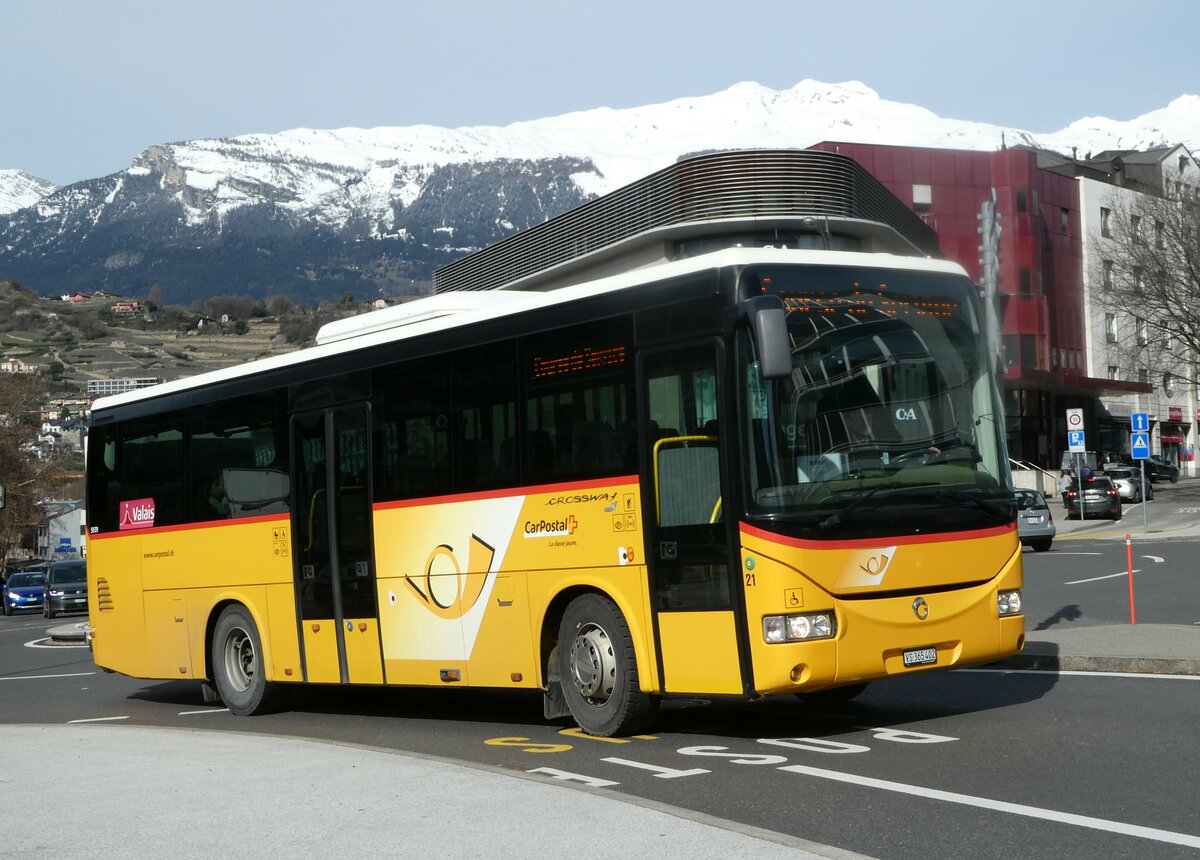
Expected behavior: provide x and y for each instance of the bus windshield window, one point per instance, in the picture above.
(889, 423)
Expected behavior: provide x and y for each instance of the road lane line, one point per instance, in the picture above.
(43, 677)
(98, 720)
(1098, 578)
(1081, 673)
(205, 711)
(1152, 833)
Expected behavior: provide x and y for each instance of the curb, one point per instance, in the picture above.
(69, 632)
(1122, 665)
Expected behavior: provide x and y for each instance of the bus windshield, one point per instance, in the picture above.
(889, 423)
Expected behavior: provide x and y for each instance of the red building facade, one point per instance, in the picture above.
(1041, 273)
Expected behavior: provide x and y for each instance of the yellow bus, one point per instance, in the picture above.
(749, 471)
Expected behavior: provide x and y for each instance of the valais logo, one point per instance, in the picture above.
(137, 514)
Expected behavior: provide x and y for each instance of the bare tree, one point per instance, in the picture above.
(280, 305)
(25, 475)
(1147, 276)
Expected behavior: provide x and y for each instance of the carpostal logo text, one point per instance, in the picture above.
(551, 528)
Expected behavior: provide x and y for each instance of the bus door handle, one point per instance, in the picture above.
(668, 550)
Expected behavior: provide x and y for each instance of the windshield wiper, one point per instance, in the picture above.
(948, 451)
(837, 517)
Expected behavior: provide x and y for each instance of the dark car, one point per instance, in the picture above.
(66, 588)
(1094, 496)
(1158, 469)
(25, 589)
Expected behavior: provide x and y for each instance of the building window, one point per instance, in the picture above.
(1137, 278)
(1110, 327)
(1022, 205)
(1029, 351)
(1026, 284)
(1143, 375)
(922, 196)
(1064, 221)
(1168, 385)
(1143, 331)
(1009, 342)
(1106, 279)
(1112, 371)
(1135, 228)
(1105, 226)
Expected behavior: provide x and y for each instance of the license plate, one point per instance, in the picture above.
(1034, 519)
(920, 657)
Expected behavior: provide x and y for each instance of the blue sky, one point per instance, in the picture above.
(89, 84)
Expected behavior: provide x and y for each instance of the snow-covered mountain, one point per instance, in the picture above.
(18, 190)
(322, 212)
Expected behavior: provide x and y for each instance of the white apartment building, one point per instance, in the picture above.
(1124, 345)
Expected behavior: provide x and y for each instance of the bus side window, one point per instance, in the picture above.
(237, 458)
(682, 391)
(578, 409)
(413, 409)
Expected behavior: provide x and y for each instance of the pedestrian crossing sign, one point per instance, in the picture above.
(1139, 446)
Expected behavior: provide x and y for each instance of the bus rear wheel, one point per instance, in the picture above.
(237, 665)
(598, 669)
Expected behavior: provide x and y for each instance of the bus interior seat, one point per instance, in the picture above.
(541, 457)
(475, 467)
(594, 447)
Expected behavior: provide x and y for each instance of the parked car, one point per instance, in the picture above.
(1095, 496)
(1035, 523)
(1130, 484)
(25, 589)
(66, 588)
(1159, 469)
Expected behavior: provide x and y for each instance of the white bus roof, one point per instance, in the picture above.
(454, 310)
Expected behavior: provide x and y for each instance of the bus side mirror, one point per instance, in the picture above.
(768, 321)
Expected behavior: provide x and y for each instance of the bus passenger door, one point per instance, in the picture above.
(687, 543)
(335, 567)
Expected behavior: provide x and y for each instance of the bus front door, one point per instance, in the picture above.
(334, 563)
(687, 533)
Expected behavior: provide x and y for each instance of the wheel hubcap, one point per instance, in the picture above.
(240, 660)
(593, 664)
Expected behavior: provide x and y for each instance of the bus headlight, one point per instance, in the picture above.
(798, 628)
(1009, 603)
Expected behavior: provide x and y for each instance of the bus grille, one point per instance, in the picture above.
(103, 595)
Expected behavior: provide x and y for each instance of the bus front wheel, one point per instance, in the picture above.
(237, 664)
(598, 669)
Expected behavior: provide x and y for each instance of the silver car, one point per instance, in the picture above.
(1130, 485)
(1035, 523)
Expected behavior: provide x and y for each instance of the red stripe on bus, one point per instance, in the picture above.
(509, 492)
(865, 543)
(184, 527)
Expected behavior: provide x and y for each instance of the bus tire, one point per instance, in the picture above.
(598, 669)
(237, 665)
